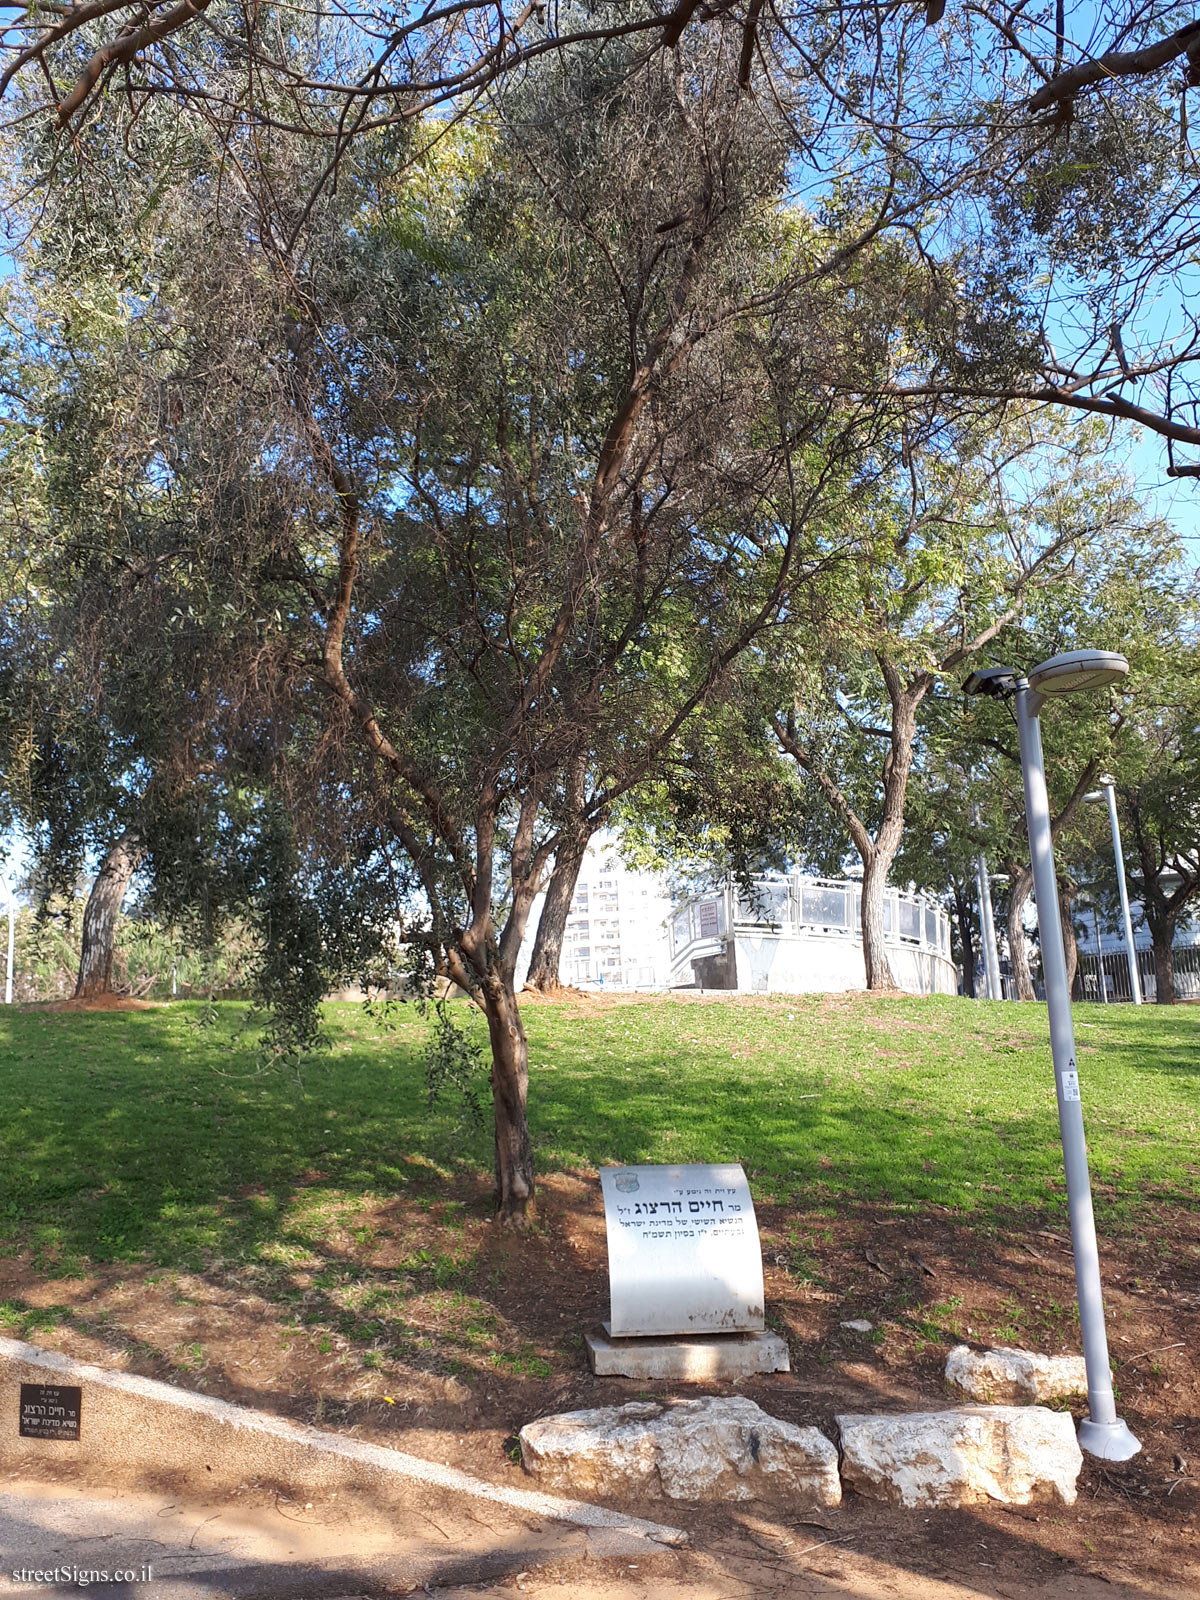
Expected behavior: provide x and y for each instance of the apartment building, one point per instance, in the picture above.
(616, 935)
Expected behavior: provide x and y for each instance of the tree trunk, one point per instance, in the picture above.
(1018, 952)
(1070, 946)
(510, 1089)
(966, 942)
(100, 916)
(552, 924)
(1161, 911)
(876, 854)
(877, 861)
(879, 972)
(1162, 938)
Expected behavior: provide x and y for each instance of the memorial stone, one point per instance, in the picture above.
(685, 1276)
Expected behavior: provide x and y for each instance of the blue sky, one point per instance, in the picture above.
(1177, 500)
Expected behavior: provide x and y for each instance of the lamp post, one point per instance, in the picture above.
(1102, 1433)
(12, 912)
(1103, 981)
(987, 923)
(1109, 788)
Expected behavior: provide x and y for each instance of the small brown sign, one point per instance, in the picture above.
(50, 1410)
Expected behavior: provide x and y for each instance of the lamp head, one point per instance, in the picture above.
(1077, 671)
(995, 681)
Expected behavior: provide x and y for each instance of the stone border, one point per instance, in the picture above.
(730, 1449)
(154, 1430)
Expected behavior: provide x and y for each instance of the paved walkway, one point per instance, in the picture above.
(285, 1550)
(56, 1541)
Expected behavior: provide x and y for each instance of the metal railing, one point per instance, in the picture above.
(1112, 971)
(807, 907)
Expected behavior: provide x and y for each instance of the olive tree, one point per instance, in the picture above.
(487, 478)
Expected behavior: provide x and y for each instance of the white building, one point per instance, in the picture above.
(616, 934)
(802, 935)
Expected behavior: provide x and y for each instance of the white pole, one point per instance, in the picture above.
(12, 912)
(988, 925)
(987, 922)
(1135, 982)
(1102, 1433)
(1100, 954)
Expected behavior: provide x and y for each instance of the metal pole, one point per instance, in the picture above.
(1135, 982)
(987, 924)
(8, 979)
(1100, 954)
(1102, 1433)
(995, 984)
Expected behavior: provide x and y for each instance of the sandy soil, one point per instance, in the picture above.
(926, 1283)
(96, 1002)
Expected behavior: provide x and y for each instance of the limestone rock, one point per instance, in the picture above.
(1011, 1454)
(1014, 1377)
(707, 1449)
(858, 1325)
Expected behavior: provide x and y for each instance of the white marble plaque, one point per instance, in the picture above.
(683, 1251)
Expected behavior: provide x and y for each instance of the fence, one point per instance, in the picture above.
(1112, 969)
(1107, 977)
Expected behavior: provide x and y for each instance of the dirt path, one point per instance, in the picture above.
(256, 1545)
(252, 1548)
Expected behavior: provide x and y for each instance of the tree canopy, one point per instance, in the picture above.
(1038, 159)
(429, 433)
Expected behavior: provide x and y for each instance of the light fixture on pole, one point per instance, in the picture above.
(1102, 1433)
(1108, 789)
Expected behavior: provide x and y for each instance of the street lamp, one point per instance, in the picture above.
(1102, 1433)
(1108, 785)
(987, 922)
(12, 912)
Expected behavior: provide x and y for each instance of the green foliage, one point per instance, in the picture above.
(146, 953)
(454, 1066)
(290, 976)
(722, 807)
(1090, 193)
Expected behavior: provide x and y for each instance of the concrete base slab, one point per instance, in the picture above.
(711, 1358)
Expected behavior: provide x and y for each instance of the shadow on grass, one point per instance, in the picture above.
(134, 1136)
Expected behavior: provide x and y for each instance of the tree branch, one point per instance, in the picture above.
(1121, 64)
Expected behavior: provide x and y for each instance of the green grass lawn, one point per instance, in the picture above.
(131, 1135)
